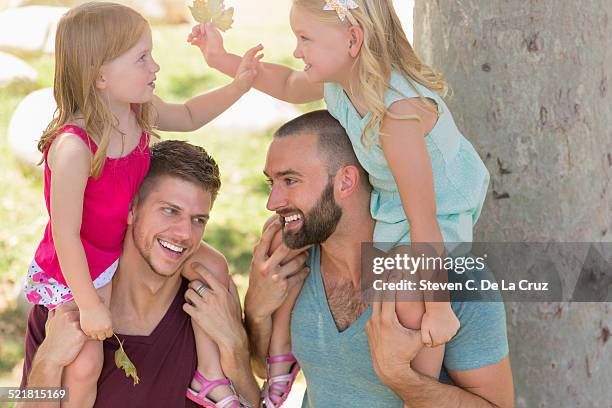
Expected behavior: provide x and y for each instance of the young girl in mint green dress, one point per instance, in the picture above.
(428, 182)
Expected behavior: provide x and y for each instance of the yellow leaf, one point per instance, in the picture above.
(199, 11)
(215, 7)
(224, 20)
(122, 361)
(214, 11)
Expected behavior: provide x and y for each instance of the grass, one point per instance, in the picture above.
(239, 211)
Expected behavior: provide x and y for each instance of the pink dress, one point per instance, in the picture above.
(106, 204)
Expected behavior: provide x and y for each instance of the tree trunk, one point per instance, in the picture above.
(530, 89)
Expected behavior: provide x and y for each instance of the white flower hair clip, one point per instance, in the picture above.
(342, 8)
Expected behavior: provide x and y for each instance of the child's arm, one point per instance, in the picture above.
(275, 80)
(70, 162)
(403, 144)
(202, 109)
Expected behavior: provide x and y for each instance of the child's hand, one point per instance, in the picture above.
(208, 38)
(439, 325)
(247, 70)
(96, 322)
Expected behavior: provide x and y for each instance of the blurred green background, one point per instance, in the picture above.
(239, 212)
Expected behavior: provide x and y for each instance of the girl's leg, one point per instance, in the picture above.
(410, 314)
(209, 365)
(429, 360)
(209, 358)
(280, 340)
(81, 376)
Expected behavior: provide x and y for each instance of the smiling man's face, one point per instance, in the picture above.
(168, 224)
(302, 191)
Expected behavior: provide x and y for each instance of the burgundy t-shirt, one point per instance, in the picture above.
(165, 360)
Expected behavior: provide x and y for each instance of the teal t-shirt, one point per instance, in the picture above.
(460, 177)
(338, 367)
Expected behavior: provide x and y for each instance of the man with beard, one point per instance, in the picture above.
(354, 354)
(148, 307)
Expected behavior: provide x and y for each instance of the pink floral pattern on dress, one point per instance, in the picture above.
(40, 289)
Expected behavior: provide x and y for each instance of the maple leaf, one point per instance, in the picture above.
(224, 20)
(122, 361)
(215, 7)
(214, 11)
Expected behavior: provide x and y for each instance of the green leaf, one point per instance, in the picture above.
(122, 361)
(214, 11)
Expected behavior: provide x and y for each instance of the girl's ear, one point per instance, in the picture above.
(356, 40)
(101, 80)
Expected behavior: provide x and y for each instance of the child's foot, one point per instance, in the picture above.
(212, 393)
(282, 370)
(217, 393)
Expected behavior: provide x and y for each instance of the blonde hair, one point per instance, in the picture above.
(385, 48)
(87, 37)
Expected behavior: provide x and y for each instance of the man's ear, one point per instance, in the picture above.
(355, 40)
(133, 205)
(348, 178)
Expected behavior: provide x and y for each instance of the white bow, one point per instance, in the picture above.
(342, 8)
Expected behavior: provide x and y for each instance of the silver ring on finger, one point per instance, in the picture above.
(201, 290)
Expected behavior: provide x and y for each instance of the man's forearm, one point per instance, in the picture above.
(43, 373)
(420, 391)
(237, 367)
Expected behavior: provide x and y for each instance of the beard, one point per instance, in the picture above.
(318, 224)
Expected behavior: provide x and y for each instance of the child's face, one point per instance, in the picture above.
(130, 78)
(323, 47)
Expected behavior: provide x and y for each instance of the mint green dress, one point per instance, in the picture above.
(460, 177)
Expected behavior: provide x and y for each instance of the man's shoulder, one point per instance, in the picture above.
(482, 338)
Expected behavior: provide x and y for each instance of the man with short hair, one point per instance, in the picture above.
(148, 307)
(354, 354)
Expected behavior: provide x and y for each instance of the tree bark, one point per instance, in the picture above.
(531, 90)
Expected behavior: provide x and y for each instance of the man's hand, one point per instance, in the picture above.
(64, 337)
(216, 310)
(392, 345)
(269, 279)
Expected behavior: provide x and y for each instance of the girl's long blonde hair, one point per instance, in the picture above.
(385, 48)
(87, 37)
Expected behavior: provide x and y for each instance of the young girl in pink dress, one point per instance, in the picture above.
(95, 154)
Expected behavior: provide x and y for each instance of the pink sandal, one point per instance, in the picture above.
(231, 401)
(279, 384)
